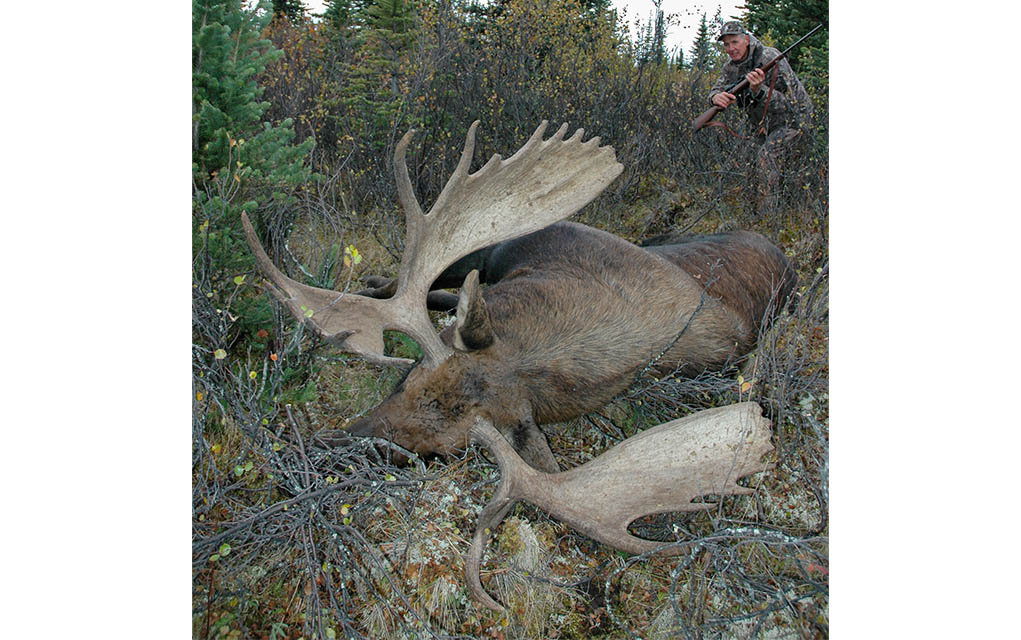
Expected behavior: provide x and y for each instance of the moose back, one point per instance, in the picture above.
(570, 314)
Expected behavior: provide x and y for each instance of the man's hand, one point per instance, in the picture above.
(723, 99)
(755, 79)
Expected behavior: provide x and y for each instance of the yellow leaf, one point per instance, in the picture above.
(746, 386)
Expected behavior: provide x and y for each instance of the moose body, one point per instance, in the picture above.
(571, 315)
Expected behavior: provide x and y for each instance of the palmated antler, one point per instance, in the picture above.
(656, 471)
(545, 181)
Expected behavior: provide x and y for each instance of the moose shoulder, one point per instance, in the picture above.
(569, 317)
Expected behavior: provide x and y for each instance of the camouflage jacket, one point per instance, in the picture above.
(789, 104)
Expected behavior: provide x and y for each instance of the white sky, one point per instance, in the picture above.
(684, 16)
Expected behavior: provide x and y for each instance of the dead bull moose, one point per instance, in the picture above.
(569, 317)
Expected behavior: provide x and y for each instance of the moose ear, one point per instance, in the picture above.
(473, 330)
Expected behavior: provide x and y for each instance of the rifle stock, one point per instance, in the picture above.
(704, 119)
(710, 113)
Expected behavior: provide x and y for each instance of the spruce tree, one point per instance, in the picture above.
(343, 14)
(787, 20)
(228, 133)
(659, 35)
(239, 161)
(703, 54)
(292, 10)
(390, 29)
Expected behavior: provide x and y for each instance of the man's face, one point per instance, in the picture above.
(736, 46)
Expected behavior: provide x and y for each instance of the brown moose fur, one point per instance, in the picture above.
(575, 313)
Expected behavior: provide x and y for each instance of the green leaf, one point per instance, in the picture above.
(224, 549)
(277, 630)
(239, 280)
(219, 354)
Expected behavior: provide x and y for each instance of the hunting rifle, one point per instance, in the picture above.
(704, 119)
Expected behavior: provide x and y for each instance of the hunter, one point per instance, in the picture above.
(777, 105)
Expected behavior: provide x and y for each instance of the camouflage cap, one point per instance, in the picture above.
(732, 28)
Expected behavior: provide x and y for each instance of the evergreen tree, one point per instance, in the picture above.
(651, 40)
(292, 10)
(343, 14)
(228, 53)
(703, 53)
(239, 161)
(393, 23)
(390, 29)
(784, 21)
(658, 34)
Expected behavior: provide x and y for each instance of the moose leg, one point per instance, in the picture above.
(451, 278)
(441, 301)
(383, 287)
(530, 443)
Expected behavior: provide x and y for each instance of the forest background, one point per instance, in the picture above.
(121, 156)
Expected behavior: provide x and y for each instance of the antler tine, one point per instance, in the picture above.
(405, 192)
(513, 470)
(702, 454)
(354, 323)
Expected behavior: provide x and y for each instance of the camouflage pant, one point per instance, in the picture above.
(773, 152)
